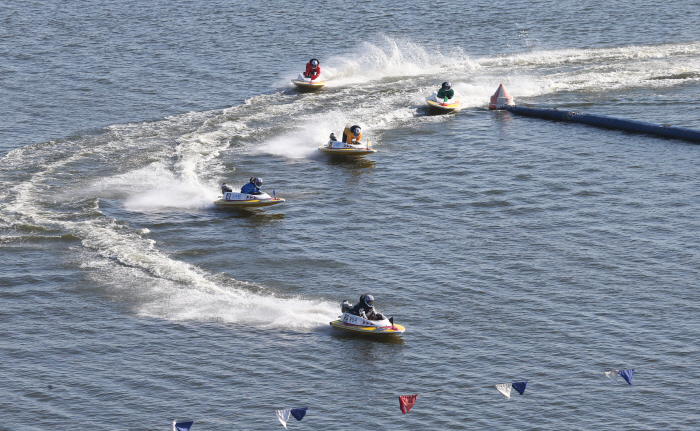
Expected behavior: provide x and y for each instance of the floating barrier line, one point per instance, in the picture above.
(502, 100)
(608, 122)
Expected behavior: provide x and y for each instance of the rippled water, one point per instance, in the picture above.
(511, 248)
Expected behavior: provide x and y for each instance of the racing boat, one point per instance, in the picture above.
(308, 84)
(350, 322)
(337, 147)
(246, 200)
(441, 106)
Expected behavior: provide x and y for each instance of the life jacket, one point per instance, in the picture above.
(311, 72)
(348, 136)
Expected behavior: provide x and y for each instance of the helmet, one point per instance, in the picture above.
(314, 62)
(257, 181)
(369, 300)
(446, 85)
(356, 130)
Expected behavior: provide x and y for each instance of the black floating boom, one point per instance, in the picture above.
(608, 122)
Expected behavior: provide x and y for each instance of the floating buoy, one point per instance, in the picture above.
(501, 98)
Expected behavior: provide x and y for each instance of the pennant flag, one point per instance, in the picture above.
(627, 375)
(406, 402)
(299, 413)
(273, 195)
(612, 375)
(504, 388)
(520, 387)
(181, 426)
(283, 416)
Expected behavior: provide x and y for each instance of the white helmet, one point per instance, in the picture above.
(356, 130)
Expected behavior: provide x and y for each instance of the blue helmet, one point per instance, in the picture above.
(369, 300)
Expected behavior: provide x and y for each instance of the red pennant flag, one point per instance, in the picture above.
(406, 402)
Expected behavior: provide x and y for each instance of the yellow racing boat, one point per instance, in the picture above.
(309, 85)
(441, 106)
(342, 148)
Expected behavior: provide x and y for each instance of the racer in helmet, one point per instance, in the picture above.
(253, 187)
(445, 92)
(313, 69)
(365, 308)
(352, 134)
(225, 188)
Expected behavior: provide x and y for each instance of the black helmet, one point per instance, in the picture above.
(313, 62)
(257, 181)
(356, 130)
(369, 300)
(446, 85)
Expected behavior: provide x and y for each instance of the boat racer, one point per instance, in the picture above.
(313, 69)
(365, 308)
(252, 187)
(352, 135)
(446, 92)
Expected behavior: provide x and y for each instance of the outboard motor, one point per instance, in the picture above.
(345, 307)
(333, 138)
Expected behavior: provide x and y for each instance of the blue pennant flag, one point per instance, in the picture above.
(299, 413)
(520, 387)
(181, 426)
(273, 195)
(627, 375)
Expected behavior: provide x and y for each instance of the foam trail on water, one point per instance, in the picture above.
(386, 57)
(132, 267)
(234, 303)
(312, 132)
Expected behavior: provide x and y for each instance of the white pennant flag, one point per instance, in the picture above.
(612, 375)
(283, 416)
(504, 388)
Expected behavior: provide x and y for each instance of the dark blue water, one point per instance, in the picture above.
(510, 248)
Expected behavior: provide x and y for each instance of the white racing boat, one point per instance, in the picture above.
(337, 147)
(246, 200)
(350, 322)
(440, 105)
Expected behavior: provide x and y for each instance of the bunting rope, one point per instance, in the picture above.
(504, 389)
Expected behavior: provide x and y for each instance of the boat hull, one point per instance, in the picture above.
(440, 106)
(359, 325)
(341, 148)
(307, 84)
(248, 203)
(245, 200)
